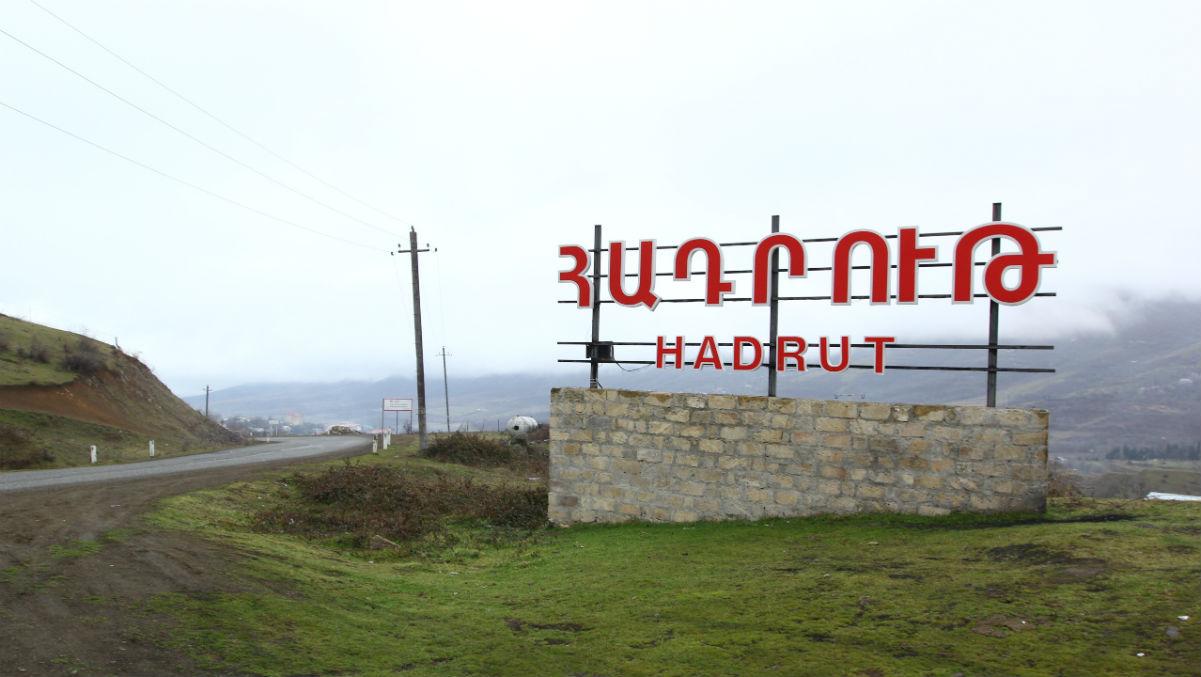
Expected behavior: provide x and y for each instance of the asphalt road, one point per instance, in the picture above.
(287, 450)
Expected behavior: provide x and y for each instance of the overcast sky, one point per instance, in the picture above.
(501, 130)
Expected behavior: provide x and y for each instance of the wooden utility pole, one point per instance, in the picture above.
(413, 251)
(206, 401)
(445, 387)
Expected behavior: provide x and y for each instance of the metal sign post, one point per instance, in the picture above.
(773, 328)
(994, 320)
(594, 369)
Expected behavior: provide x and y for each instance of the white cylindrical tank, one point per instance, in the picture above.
(520, 426)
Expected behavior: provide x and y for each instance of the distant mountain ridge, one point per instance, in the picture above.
(1139, 385)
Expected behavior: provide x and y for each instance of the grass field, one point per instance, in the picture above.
(21, 345)
(1091, 588)
(37, 440)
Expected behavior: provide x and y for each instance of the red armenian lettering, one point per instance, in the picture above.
(842, 265)
(708, 354)
(576, 274)
(676, 353)
(741, 342)
(796, 262)
(879, 342)
(646, 275)
(844, 351)
(1029, 261)
(907, 264)
(715, 286)
(796, 353)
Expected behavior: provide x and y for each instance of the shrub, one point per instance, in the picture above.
(532, 458)
(539, 434)
(18, 452)
(84, 358)
(469, 449)
(11, 436)
(359, 502)
(36, 352)
(5, 345)
(1062, 482)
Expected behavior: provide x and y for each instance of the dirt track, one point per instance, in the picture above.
(84, 615)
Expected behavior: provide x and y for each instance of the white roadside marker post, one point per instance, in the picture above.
(374, 445)
(151, 448)
(92, 451)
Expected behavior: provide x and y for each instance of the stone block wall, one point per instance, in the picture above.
(617, 455)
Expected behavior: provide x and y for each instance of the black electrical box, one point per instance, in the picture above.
(602, 350)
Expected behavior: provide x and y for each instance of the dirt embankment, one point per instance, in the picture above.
(126, 396)
(77, 565)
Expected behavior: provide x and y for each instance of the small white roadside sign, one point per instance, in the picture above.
(397, 404)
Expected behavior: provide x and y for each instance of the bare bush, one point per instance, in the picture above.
(18, 451)
(360, 502)
(469, 449)
(1063, 483)
(36, 352)
(488, 452)
(83, 358)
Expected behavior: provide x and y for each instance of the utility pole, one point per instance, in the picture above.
(413, 251)
(206, 401)
(445, 387)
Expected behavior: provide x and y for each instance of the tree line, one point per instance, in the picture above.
(1170, 452)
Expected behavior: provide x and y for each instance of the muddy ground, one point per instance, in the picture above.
(62, 614)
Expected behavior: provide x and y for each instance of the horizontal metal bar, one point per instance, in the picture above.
(745, 299)
(919, 346)
(817, 367)
(785, 270)
(946, 233)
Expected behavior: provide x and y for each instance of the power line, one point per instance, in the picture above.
(192, 137)
(213, 116)
(185, 182)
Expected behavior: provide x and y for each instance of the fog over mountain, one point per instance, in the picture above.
(1139, 384)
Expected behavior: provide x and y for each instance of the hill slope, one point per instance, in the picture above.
(61, 392)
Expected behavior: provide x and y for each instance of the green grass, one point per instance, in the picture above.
(870, 595)
(37, 440)
(18, 335)
(74, 549)
(85, 547)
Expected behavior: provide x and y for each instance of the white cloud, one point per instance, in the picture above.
(502, 130)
